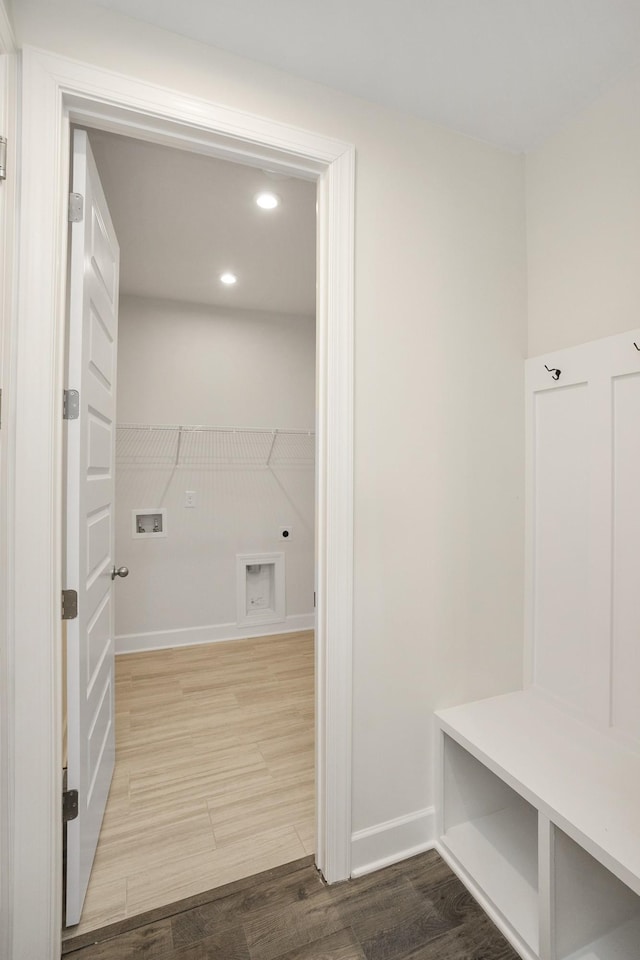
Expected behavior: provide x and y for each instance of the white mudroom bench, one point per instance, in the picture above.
(539, 815)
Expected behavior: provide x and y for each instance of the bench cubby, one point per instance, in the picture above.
(597, 917)
(539, 815)
(493, 832)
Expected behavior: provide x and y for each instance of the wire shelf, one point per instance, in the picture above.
(180, 445)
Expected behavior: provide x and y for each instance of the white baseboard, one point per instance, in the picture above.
(392, 841)
(216, 633)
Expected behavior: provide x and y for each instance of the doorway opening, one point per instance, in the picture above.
(213, 559)
(57, 92)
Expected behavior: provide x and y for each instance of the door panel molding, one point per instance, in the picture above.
(55, 92)
(89, 537)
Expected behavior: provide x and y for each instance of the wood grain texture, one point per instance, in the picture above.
(214, 776)
(152, 940)
(416, 910)
(342, 945)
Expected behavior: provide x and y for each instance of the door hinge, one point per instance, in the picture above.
(314, 599)
(0, 408)
(70, 405)
(69, 604)
(76, 207)
(69, 805)
(3, 158)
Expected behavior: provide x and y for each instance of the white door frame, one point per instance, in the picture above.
(55, 92)
(8, 263)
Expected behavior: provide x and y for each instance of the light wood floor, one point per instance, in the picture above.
(214, 776)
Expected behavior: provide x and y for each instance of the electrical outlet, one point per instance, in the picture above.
(286, 533)
(189, 498)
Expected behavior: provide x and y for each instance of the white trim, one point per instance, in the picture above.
(392, 841)
(528, 665)
(214, 633)
(8, 286)
(334, 516)
(56, 90)
(36, 511)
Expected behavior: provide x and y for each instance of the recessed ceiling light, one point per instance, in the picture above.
(268, 200)
(228, 278)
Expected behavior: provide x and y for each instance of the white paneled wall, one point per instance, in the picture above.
(583, 614)
(561, 573)
(625, 702)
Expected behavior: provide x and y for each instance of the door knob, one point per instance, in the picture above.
(120, 572)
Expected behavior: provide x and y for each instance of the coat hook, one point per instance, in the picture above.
(636, 345)
(555, 372)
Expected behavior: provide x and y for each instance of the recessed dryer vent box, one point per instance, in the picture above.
(260, 588)
(149, 523)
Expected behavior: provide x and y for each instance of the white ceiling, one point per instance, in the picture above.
(182, 219)
(506, 71)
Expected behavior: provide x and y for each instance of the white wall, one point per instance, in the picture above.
(188, 364)
(440, 339)
(583, 224)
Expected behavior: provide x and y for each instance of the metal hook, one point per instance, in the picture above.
(636, 345)
(555, 373)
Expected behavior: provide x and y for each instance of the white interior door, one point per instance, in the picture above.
(93, 316)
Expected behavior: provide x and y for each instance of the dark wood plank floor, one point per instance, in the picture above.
(415, 910)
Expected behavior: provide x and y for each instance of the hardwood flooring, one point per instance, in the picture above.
(415, 910)
(214, 774)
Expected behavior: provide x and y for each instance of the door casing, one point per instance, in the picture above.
(8, 269)
(55, 92)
